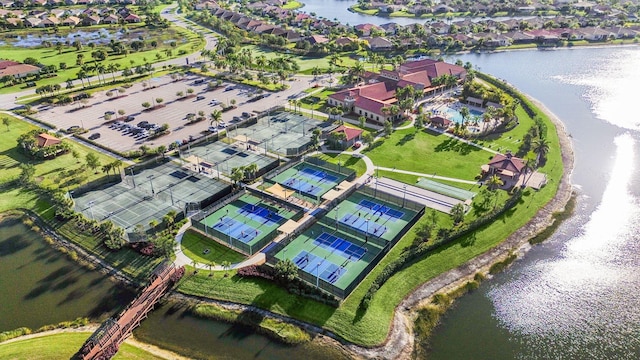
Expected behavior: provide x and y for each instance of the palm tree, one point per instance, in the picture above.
(541, 148)
(211, 264)
(237, 174)
(226, 265)
(457, 213)
(494, 181)
(112, 68)
(252, 169)
(215, 117)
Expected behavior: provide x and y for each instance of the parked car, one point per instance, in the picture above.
(212, 129)
(236, 119)
(109, 112)
(246, 114)
(73, 128)
(94, 136)
(229, 88)
(199, 97)
(129, 118)
(143, 123)
(214, 102)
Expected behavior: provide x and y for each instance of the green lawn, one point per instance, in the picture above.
(62, 171)
(62, 347)
(194, 244)
(352, 162)
(68, 55)
(429, 153)
(306, 63)
(291, 5)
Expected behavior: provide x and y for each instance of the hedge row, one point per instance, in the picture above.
(412, 254)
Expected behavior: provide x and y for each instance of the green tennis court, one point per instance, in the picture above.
(329, 257)
(444, 189)
(247, 223)
(369, 218)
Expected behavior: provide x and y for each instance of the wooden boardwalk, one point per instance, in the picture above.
(106, 340)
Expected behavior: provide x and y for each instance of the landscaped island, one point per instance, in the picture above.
(447, 164)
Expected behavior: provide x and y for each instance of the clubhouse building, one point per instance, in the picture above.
(374, 99)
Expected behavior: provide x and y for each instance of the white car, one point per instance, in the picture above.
(212, 129)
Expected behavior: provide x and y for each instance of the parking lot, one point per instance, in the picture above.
(174, 112)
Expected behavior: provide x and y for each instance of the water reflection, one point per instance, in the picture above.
(41, 286)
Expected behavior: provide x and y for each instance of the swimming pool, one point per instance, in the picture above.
(454, 115)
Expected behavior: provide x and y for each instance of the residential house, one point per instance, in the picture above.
(71, 21)
(110, 19)
(132, 18)
(390, 28)
(365, 29)
(317, 39)
(91, 20)
(49, 22)
(379, 44)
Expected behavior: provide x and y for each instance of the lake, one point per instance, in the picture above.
(575, 296)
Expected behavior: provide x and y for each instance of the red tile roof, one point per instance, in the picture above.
(47, 140)
(350, 133)
(19, 69)
(507, 162)
(442, 121)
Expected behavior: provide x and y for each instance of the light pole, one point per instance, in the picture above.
(91, 209)
(133, 179)
(367, 221)
(171, 193)
(318, 274)
(339, 166)
(337, 208)
(375, 192)
(205, 222)
(218, 171)
(404, 195)
(151, 182)
(229, 232)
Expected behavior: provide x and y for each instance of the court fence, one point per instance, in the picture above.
(393, 199)
(278, 170)
(350, 174)
(297, 209)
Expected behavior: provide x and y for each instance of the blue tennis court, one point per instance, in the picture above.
(260, 214)
(236, 229)
(317, 175)
(302, 186)
(381, 209)
(342, 247)
(318, 266)
(361, 223)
